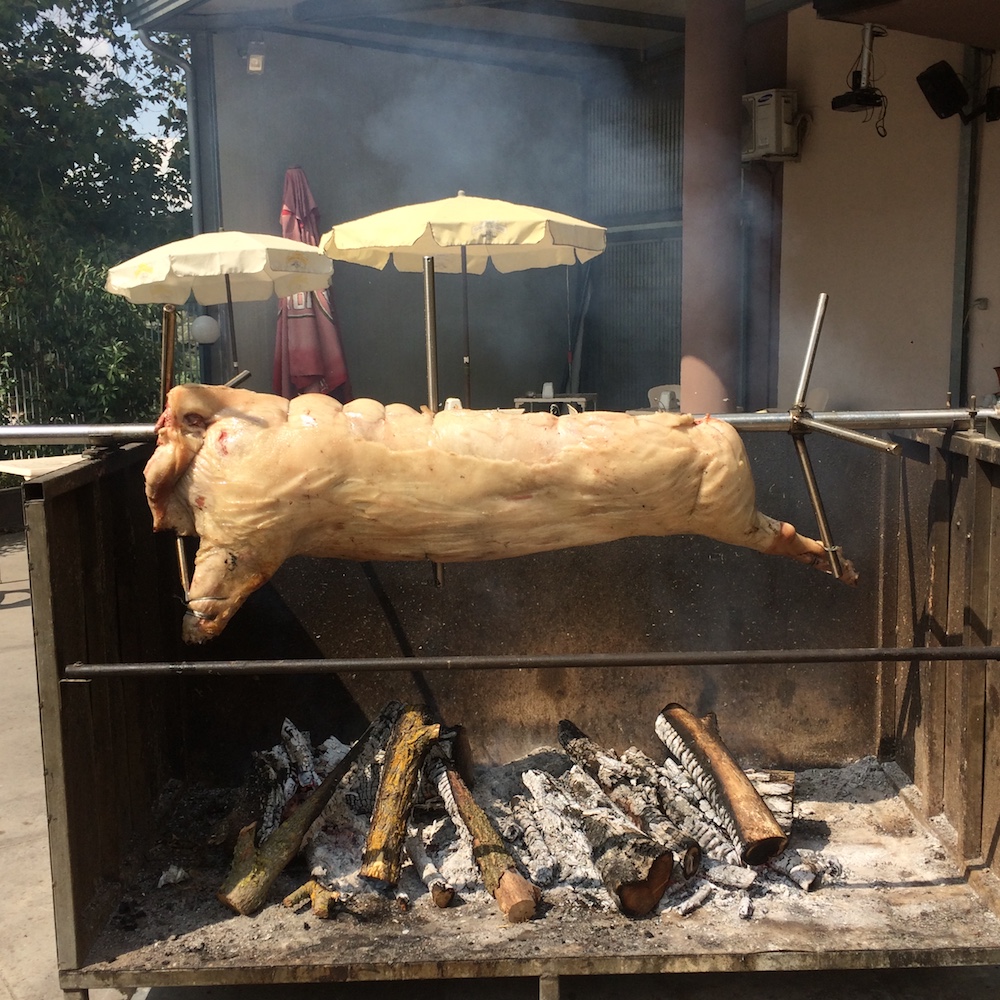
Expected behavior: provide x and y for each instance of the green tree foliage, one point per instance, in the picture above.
(81, 190)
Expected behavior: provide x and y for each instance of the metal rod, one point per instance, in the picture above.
(232, 324)
(878, 444)
(430, 334)
(622, 661)
(817, 502)
(466, 336)
(943, 419)
(182, 566)
(430, 337)
(807, 366)
(167, 338)
(889, 420)
(90, 434)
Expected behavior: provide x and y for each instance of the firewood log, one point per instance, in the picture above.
(634, 867)
(412, 736)
(804, 867)
(515, 895)
(623, 786)
(696, 744)
(542, 866)
(255, 869)
(557, 816)
(681, 799)
(363, 781)
(442, 892)
(321, 898)
(777, 789)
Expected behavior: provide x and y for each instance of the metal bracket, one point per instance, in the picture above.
(801, 423)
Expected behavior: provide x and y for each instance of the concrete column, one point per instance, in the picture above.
(711, 257)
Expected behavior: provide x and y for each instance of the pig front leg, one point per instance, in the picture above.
(223, 579)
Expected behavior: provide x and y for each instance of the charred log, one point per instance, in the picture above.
(255, 869)
(542, 866)
(696, 745)
(777, 789)
(363, 782)
(635, 868)
(557, 816)
(626, 788)
(681, 799)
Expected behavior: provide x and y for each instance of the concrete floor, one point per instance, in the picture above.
(27, 939)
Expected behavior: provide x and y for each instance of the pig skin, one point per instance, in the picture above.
(259, 478)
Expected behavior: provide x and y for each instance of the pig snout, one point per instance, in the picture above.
(222, 581)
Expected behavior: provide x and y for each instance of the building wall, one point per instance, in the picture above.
(870, 221)
(984, 324)
(374, 130)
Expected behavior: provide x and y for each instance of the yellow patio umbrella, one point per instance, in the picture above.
(221, 267)
(462, 234)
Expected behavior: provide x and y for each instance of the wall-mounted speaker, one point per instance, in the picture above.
(945, 92)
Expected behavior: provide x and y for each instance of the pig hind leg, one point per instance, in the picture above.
(786, 541)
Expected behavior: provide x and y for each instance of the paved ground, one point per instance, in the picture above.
(27, 940)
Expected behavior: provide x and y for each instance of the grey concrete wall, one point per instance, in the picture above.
(374, 130)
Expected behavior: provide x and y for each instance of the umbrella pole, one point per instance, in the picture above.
(430, 339)
(168, 335)
(430, 334)
(467, 358)
(232, 325)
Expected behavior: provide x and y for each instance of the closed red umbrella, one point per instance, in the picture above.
(308, 354)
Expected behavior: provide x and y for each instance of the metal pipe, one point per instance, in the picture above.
(466, 335)
(167, 337)
(877, 444)
(943, 419)
(90, 434)
(833, 553)
(622, 661)
(807, 366)
(430, 334)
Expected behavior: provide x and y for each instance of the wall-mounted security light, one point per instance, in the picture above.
(250, 46)
(947, 96)
(255, 57)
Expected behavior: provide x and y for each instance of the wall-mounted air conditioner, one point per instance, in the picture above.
(770, 125)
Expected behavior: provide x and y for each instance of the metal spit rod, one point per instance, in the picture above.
(622, 661)
(945, 419)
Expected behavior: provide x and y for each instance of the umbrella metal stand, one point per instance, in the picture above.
(430, 338)
(466, 349)
(430, 334)
(167, 336)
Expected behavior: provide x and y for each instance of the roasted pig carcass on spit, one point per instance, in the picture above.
(259, 478)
